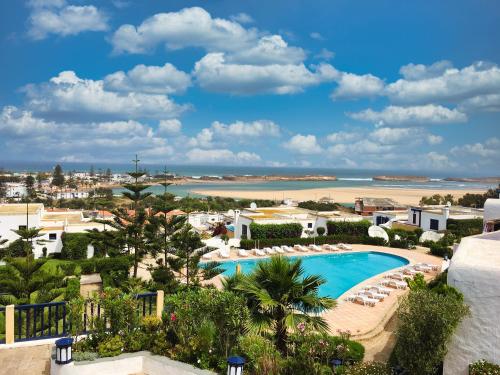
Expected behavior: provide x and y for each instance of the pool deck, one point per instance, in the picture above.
(367, 324)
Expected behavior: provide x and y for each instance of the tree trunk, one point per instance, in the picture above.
(281, 333)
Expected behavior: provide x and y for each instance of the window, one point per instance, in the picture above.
(309, 225)
(52, 236)
(414, 217)
(22, 227)
(244, 231)
(434, 224)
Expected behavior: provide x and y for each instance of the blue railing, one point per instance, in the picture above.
(50, 320)
(40, 321)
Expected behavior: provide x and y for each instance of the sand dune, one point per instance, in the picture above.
(341, 195)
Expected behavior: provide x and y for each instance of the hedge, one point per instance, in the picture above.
(105, 265)
(464, 228)
(334, 239)
(264, 231)
(357, 228)
(74, 245)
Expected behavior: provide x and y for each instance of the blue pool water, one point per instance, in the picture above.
(342, 271)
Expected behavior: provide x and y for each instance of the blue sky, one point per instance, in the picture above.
(346, 84)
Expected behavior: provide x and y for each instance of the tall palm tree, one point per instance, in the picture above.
(280, 296)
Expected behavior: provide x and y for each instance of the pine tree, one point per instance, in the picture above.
(92, 172)
(29, 182)
(58, 176)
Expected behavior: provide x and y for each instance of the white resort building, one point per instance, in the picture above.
(310, 220)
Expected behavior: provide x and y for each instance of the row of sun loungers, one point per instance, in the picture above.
(299, 248)
(371, 294)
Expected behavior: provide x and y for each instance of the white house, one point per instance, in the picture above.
(204, 220)
(310, 220)
(15, 190)
(386, 218)
(71, 194)
(435, 217)
(491, 219)
(475, 272)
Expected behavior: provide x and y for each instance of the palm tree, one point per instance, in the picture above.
(280, 296)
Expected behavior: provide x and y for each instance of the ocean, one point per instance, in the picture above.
(345, 177)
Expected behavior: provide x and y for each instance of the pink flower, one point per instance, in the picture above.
(301, 327)
(173, 318)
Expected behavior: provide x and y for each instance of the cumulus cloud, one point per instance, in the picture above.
(415, 72)
(22, 132)
(202, 156)
(488, 149)
(411, 116)
(316, 35)
(450, 86)
(303, 144)
(342, 136)
(170, 127)
(242, 18)
(352, 86)
(166, 79)
(55, 17)
(75, 99)
(215, 74)
(482, 103)
(435, 160)
(189, 27)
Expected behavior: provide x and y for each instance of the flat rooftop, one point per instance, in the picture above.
(20, 208)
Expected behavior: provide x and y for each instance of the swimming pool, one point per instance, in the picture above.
(341, 271)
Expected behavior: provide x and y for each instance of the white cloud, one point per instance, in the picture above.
(164, 79)
(203, 139)
(189, 27)
(74, 99)
(213, 73)
(452, 85)
(170, 127)
(351, 86)
(303, 144)
(55, 17)
(488, 149)
(325, 54)
(253, 129)
(435, 160)
(415, 72)
(316, 35)
(268, 50)
(201, 156)
(242, 18)
(434, 139)
(483, 103)
(14, 121)
(411, 116)
(342, 136)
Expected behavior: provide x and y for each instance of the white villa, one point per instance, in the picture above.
(52, 223)
(426, 217)
(205, 220)
(310, 220)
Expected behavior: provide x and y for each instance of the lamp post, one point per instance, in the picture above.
(63, 351)
(235, 365)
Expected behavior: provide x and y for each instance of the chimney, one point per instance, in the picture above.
(446, 212)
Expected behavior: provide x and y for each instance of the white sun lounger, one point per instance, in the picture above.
(268, 250)
(420, 267)
(300, 248)
(395, 284)
(259, 252)
(288, 249)
(344, 246)
(242, 253)
(434, 267)
(224, 253)
(278, 249)
(330, 247)
(397, 276)
(379, 289)
(315, 248)
(365, 300)
(373, 294)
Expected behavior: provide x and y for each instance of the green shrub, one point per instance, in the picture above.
(264, 231)
(74, 245)
(261, 355)
(319, 206)
(87, 267)
(321, 231)
(369, 368)
(357, 228)
(84, 356)
(72, 289)
(439, 249)
(334, 239)
(484, 368)
(463, 228)
(111, 346)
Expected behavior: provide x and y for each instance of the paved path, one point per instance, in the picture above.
(32, 360)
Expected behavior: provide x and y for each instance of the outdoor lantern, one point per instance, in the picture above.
(235, 365)
(336, 363)
(63, 351)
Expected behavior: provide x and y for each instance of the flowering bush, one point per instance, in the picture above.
(369, 368)
(484, 368)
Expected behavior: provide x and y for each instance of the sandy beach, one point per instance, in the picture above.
(341, 195)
